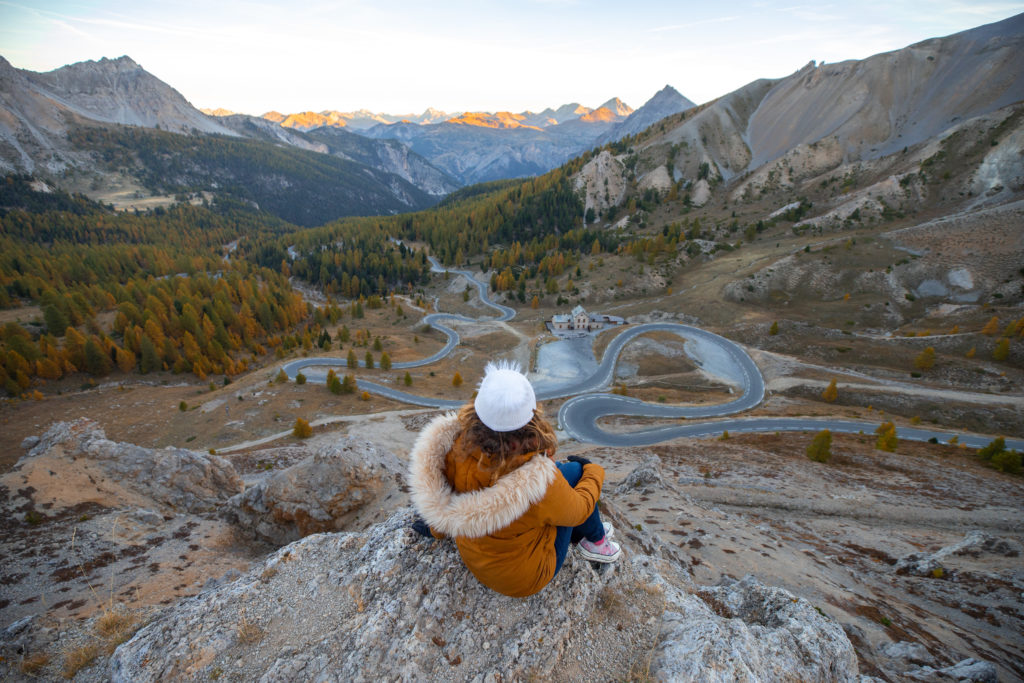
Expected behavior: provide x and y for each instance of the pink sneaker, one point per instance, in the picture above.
(604, 551)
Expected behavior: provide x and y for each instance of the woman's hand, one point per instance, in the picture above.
(578, 459)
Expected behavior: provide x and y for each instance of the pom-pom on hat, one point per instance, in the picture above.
(505, 401)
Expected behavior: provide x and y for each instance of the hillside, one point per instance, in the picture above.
(107, 129)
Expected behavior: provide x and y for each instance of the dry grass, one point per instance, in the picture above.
(77, 658)
(33, 664)
(116, 626)
(249, 632)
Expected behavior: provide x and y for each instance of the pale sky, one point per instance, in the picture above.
(402, 56)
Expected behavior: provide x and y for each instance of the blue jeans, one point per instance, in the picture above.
(591, 529)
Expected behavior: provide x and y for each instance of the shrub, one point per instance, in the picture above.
(831, 392)
(926, 359)
(407, 379)
(820, 449)
(302, 430)
(774, 329)
(1002, 350)
(300, 378)
(724, 436)
(995, 447)
(1007, 461)
(281, 377)
(183, 406)
(365, 396)
(457, 379)
(887, 439)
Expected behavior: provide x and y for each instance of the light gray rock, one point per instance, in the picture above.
(389, 604)
(182, 480)
(644, 476)
(324, 492)
(744, 630)
(966, 671)
(903, 655)
(29, 442)
(974, 544)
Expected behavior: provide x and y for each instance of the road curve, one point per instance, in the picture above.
(580, 414)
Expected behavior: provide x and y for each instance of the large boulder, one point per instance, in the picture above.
(95, 469)
(331, 490)
(389, 604)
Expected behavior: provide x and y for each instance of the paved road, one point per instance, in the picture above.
(579, 415)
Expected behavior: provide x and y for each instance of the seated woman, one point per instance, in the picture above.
(486, 476)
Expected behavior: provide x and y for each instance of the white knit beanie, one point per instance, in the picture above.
(505, 401)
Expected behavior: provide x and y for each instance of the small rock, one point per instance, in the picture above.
(29, 442)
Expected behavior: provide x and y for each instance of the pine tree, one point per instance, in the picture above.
(302, 430)
(457, 379)
(820, 449)
(831, 393)
(991, 327)
(774, 329)
(281, 377)
(926, 359)
(300, 378)
(407, 379)
(369, 359)
(348, 385)
(385, 361)
(1002, 350)
(887, 440)
(377, 345)
(96, 362)
(350, 359)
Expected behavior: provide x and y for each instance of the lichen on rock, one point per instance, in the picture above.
(389, 604)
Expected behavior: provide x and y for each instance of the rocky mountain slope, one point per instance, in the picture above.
(855, 110)
(481, 146)
(387, 155)
(92, 127)
(161, 578)
(665, 102)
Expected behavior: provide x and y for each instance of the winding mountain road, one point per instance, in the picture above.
(579, 415)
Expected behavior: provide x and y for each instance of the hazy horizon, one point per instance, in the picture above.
(460, 56)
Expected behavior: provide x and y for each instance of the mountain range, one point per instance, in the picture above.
(101, 127)
(821, 116)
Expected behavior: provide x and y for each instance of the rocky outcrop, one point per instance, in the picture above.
(974, 544)
(329, 491)
(121, 473)
(644, 477)
(391, 605)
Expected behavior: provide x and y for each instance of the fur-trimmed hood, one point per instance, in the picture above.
(475, 513)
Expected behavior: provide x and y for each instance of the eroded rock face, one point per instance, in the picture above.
(974, 544)
(122, 473)
(326, 492)
(391, 605)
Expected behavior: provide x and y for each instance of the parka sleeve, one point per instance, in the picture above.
(564, 505)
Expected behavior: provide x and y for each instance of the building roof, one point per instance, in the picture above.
(560, 318)
(579, 309)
